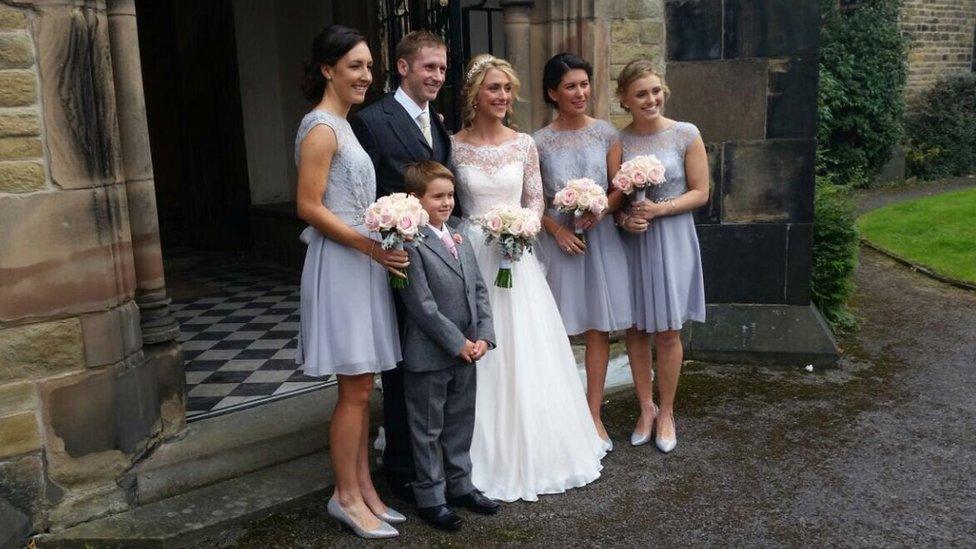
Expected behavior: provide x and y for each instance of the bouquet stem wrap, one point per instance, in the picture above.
(504, 278)
(396, 282)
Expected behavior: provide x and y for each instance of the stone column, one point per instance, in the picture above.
(517, 51)
(158, 325)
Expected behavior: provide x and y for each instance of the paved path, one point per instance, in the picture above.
(871, 199)
(879, 452)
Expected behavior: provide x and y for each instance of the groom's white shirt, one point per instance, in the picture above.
(413, 110)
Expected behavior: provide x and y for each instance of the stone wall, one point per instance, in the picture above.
(608, 33)
(940, 34)
(81, 398)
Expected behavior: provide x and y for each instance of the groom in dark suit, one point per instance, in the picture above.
(397, 130)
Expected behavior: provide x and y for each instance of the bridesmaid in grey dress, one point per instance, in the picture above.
(348, 324)
(665, 262)
(588, 280)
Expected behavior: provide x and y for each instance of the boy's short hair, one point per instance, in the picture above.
(417, 176)
(410, 45)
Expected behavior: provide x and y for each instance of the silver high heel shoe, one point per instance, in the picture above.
(637, 439)
(666, 444)
(384, 530)
(607, 444)
(392, 516)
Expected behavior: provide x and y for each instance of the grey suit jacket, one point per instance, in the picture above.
(446, 303)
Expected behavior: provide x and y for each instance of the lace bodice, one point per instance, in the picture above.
(352, 181)
(572, 154)
(669, 146)
(488, 175)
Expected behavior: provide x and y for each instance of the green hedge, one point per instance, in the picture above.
(862, 79)
(835, 249)
(942, 129)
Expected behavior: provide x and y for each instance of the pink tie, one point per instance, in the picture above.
(449, 244)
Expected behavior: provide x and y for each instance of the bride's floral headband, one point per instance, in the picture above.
(478, 67)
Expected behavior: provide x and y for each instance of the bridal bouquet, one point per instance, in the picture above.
(398, 218)
(515, 228)
(578, 197)
(637, 173)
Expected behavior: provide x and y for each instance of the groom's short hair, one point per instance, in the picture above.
(417, 176)
(410, 45)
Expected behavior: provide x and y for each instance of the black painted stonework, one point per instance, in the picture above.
(725, 99)
(799, 263)
(136, 405)
(771, 28)
(792, 103)
(694, 29)
(744, 263)
(768, 181)
(712, 212)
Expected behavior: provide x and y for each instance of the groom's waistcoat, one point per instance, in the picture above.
(393, 140)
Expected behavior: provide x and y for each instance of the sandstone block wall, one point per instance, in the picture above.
(940, 34)
(79, 401)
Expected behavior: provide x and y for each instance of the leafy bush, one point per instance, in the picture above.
(835, 249)
(862, 77)
(942, 129)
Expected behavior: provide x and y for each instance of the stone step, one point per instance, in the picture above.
(188, 518)
(240, 442)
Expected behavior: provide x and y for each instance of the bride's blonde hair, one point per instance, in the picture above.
(474, 76)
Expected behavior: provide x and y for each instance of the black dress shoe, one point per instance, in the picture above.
(477, 502)
(440, 517)
(402, 490)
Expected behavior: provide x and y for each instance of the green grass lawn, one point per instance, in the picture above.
(938, 232)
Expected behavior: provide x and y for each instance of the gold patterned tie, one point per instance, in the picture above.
(424, 119)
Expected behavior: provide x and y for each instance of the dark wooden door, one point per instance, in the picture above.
(196, 132)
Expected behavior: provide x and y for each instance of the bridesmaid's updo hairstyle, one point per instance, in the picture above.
(328, 47)
(556, 68)
(474, 76)
(635, 70)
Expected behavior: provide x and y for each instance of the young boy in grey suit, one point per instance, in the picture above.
(448, 328)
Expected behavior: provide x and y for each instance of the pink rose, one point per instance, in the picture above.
(623, 182)
(570, 196)
(656, 174)
(495, 223)
(386, 217)
(516, 227)
(639, 178)
(407, 226)
(369, 220)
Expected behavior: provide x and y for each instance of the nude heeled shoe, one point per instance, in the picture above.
(384, 530)
(638, 439)
(667, 444)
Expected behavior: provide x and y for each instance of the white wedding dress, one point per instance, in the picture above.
(533, 433)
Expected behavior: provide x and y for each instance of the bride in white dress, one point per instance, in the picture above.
(533, 432)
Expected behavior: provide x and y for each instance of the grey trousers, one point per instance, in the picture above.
(440, 413)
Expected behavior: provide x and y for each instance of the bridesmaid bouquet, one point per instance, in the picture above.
(398, 218)
(578, 197)
(637, 173)
(515, 228)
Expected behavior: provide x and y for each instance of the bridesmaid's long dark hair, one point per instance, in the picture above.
(327, 48)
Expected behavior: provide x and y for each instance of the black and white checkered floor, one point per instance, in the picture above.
(239, 342)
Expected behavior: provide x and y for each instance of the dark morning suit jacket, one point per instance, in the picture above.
(392, 139)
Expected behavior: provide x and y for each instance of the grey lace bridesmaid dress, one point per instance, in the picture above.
(592, 290)
(348, 323)
(665, 261)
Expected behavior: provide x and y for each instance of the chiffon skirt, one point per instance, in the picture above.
(348, 323)
(533, 432)
(666, 274)
(592, 290)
